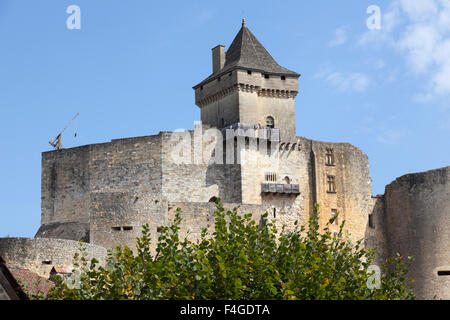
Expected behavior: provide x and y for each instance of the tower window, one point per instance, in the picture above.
(331, 184)
(333, 214)
(271, 176)
(266, 76)
(283, 78)
(201, 88)
(270, 122)
(444, 273)
(249, 71)
(213, 199)
(329, 157)
(231, 73)
(128, 228)
(287, 180)
(218, 79)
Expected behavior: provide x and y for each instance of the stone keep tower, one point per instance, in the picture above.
(248, 89)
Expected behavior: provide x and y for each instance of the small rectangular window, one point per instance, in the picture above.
(266, 76)
(47, 262)
(329, 157)
(331, 184)
(127, 228)
(116, 228)
(249, 71)
(230, 74)
(444, 273)
(218, 79)
(283, 78)
(271, 176)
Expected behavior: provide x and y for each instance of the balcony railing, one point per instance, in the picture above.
(252, 131)
(280, 188)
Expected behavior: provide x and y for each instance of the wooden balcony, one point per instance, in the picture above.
(280, 188)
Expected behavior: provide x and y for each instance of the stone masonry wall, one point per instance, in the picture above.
(70, 176)
(353, 191)
(39, 255)
(117, 217)
(417, 224)
(65, 185)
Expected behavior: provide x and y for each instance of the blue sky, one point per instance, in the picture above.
(129, 72)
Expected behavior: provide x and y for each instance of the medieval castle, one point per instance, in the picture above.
(102, 194)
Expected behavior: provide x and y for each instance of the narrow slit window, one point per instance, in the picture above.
(444, 273)
(371, 222)
(127, 228)
(116, 228)
(333, 215)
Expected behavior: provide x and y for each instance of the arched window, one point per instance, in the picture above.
(213, 199)
(270, 122)
(287, 180)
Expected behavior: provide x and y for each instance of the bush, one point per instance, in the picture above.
(241, 259)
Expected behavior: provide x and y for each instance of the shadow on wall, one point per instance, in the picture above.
(227, 177)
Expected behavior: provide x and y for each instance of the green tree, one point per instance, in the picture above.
(241, 259)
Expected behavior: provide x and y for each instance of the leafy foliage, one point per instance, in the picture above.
(241, 259)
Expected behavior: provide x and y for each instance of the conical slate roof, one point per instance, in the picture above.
(246, 52)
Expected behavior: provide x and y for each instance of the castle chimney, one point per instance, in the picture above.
(218, 57)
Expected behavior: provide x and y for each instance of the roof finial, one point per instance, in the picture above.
(243, 22)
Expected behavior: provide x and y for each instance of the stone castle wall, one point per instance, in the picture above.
(41, 255)
(65, 185)
(70, 176)
(375, 236)
(127, 182)
(353, 191)
(417, 224)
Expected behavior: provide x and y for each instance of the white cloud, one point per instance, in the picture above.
(339, 37)
(344, 82)
(420, 31)
(391, 135)
(389, 132)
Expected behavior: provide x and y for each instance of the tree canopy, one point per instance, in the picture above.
(241, 259)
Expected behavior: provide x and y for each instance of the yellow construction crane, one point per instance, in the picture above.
(56, 142)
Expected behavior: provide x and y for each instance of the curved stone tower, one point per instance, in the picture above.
(418, 225)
